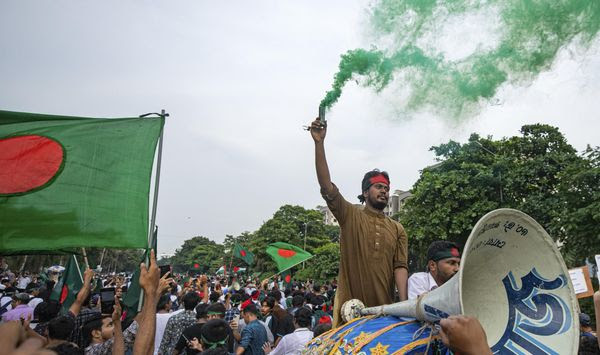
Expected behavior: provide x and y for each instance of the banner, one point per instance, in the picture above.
(74, 182)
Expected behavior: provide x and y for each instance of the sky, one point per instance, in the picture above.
(239, 80)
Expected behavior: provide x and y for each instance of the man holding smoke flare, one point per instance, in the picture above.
(373, 247)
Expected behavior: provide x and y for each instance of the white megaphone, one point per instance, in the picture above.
(513, 279)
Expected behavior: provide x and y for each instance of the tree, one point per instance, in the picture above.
(471, 179)
(201, 250)
(580, 213)
(324, 266)
(289, 224)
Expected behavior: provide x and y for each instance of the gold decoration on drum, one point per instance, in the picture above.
(380, 349)
(361, 337)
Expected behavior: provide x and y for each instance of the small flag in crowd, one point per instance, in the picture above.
(221, 270)
(242, 253)
(66, 289)
(286, 255)
(286, 278)
(239, 269)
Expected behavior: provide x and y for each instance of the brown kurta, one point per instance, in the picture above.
(372, 246)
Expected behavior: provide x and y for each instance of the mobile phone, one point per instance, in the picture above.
(107, 300)
(164, 269)
(236, 318)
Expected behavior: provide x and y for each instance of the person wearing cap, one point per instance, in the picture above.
(20, 309)
(373, 247)
(585, 325)
(443, 261)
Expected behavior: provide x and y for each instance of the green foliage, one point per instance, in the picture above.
(324, 266)
(207, 253)
(289, 224)
(538, 173)
(580, 220)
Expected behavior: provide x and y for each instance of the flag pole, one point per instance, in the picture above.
(232, 251)
(162, 114)
(85, 258)
(78, 268)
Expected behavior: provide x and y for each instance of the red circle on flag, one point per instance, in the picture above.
(242, 252)
(28, 163)
(63, 294)
(286, 253)
(236, 268)
(288, 278)
(196, 266)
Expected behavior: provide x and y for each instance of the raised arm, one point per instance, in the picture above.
(149, 281)
(318, 131)
(118, 347)
(88, 275)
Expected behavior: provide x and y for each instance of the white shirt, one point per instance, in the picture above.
(161, 324)
(6, 301)
(34, 302)
(23, 282)
(419, 283)
(293, 343)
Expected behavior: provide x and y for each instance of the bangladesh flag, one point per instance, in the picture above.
(286, 255)
(239, 269)
(74, 182)
(195, 266)
(286, 278)
(66, 289)
(243, 253)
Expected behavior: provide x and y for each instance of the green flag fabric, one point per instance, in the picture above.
(286, 255)
(74, 182)
(66, 289)
(242, 253)
(132, 296)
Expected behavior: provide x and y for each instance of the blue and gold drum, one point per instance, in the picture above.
(373, 335)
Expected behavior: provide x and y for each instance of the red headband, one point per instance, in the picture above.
(379, 178)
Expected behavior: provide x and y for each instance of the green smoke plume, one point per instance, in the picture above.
(529, 36)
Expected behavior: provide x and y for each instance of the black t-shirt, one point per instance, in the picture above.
(194, 331)
(191, 332)
(282, 326)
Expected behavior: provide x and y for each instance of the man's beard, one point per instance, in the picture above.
(377, 204)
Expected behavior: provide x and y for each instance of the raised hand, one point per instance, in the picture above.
(149, 277)
(318, 130)
(464, 335)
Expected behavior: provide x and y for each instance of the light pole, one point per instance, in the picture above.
(305, 231)
(499, 171)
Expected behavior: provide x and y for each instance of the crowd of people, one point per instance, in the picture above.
(181, 314)
(190, 314)
(202, 314)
